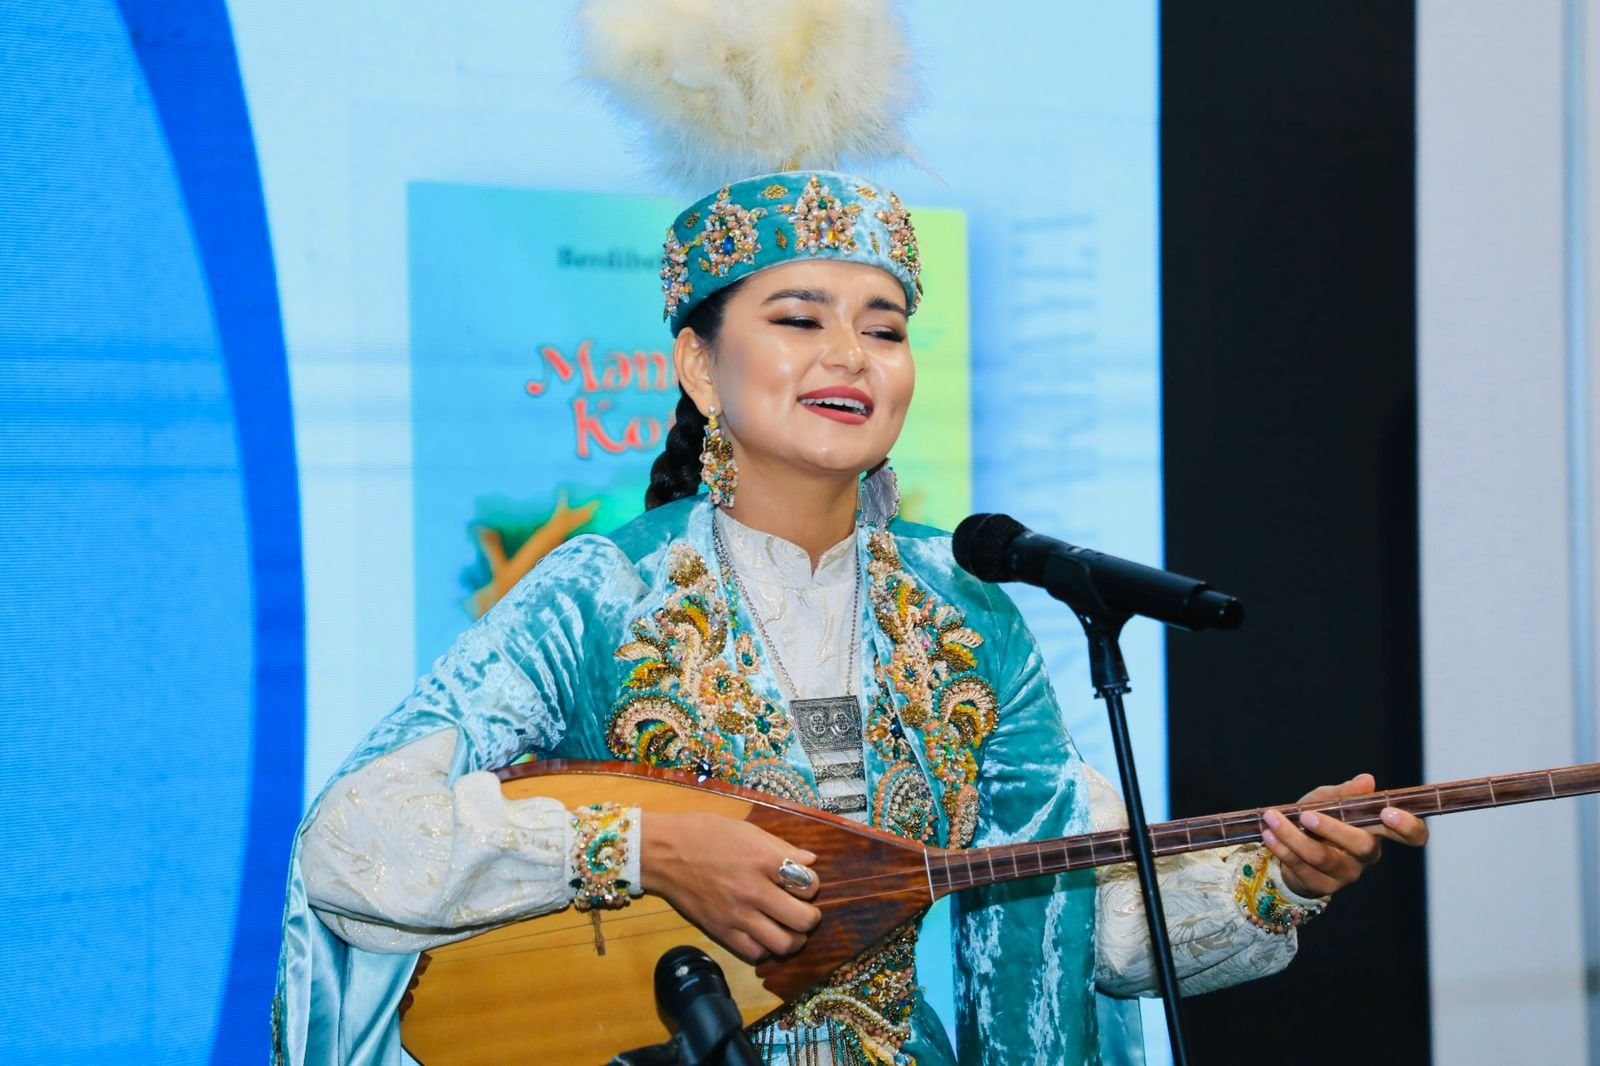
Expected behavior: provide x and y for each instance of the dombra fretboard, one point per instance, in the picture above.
(550, 989)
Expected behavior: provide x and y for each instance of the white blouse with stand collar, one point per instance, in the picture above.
(805, 612)
(805, 621)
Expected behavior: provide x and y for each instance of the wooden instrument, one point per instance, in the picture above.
(544, 981)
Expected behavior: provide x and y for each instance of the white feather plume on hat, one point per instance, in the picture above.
(732, 88)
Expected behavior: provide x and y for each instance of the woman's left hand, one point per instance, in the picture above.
(1322, 854)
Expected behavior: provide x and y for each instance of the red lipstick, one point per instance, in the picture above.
(839, 403)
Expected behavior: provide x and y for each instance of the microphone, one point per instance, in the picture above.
(692, 992)
(996, 547)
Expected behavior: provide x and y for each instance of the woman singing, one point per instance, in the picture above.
(783, 631)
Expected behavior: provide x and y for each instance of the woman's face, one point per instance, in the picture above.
(811, 371)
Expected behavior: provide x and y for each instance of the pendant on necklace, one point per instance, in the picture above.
(830, 732)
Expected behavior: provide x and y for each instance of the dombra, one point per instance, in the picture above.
(581, 992)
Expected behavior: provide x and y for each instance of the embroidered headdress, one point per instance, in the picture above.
(786, 90)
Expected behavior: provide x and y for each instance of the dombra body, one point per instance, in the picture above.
(573, 988)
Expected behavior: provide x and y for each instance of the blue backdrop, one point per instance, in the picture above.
(206, 543)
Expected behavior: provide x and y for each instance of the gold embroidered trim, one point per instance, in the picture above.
(1261, 899)
(681, 704)
(867, 1005)
(932, 680)
(599, 855)
(776, 777)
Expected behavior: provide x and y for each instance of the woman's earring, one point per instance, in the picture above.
(717, 468)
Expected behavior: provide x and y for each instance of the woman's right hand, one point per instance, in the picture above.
(722, 875)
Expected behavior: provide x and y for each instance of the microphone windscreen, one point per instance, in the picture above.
(982, 544)
(682, 975)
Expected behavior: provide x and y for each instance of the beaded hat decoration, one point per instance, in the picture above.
(759, 222)
(791, 90)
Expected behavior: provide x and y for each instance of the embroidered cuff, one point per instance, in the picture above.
(1289, 895)
(1259, 889)
(603, 861)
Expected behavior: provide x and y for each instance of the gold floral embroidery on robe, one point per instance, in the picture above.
(682, 704)
(932, 677)
(866, 1005)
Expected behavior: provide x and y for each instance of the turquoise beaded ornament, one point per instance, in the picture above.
(777, 218)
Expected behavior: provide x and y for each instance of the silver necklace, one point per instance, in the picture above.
(725, 560)
(829, 727)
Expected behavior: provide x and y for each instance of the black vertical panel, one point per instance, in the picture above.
(1289, 419)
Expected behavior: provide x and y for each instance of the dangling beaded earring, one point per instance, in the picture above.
(717, 468)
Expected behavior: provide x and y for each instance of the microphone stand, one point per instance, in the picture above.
(1109, 673)
(996, 547)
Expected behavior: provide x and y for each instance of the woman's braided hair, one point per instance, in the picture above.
(675, 474)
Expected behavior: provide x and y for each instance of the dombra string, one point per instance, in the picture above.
(950, 871)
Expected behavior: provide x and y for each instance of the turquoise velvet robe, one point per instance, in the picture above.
(541, 674)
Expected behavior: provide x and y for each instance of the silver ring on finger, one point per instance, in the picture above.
(793, 876)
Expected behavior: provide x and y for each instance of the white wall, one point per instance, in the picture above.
(1503, 481)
